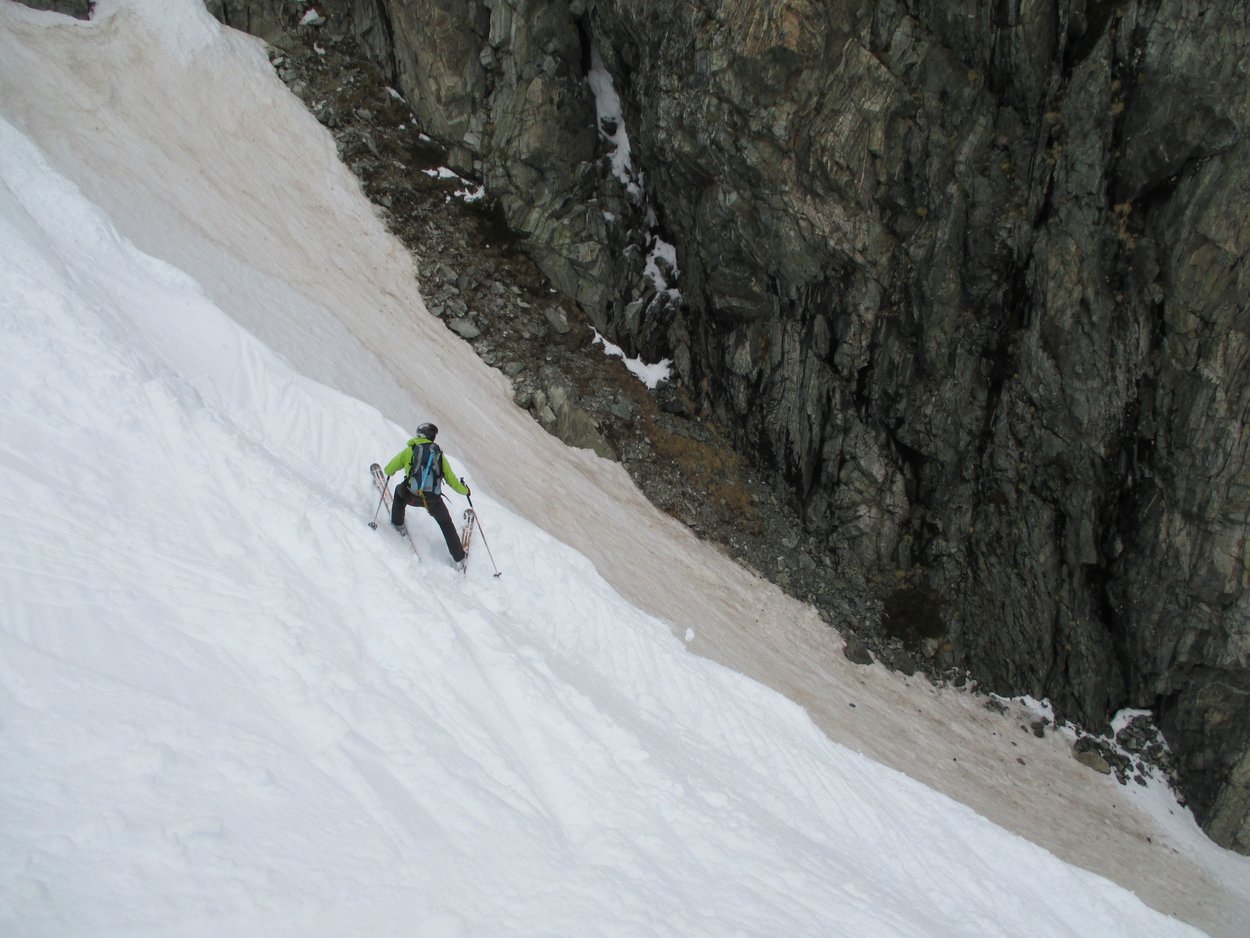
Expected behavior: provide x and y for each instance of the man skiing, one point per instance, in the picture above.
(425, 469)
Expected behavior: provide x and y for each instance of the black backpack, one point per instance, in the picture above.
(426, 474)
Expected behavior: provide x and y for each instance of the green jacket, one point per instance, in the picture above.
(403, 460)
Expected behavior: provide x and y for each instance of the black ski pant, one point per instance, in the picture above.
(435, 505)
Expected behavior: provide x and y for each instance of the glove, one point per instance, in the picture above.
(468, 492)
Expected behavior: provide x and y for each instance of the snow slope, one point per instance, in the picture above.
(228, 707)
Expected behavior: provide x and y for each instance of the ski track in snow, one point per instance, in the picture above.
(229, 707)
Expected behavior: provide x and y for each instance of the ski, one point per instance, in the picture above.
(383, 486)
(379, 481)
(466, 538)
(470, 519)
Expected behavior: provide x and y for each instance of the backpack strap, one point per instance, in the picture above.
(412, 465)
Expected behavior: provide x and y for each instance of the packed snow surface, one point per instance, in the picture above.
(228, 707)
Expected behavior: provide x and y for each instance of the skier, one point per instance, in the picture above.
(425, 469)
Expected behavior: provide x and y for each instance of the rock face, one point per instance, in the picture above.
(79, 9)
(970, 282)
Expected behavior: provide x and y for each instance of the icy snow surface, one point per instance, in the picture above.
(228, 707)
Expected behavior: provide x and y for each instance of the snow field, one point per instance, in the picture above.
(228, 694)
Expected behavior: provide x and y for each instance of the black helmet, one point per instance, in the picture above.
(427, 430)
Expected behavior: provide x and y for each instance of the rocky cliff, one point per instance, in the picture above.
(970, 282)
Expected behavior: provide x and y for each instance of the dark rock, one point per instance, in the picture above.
(558, 319)
(271, 20)
(79, 9)
(1093, 758)
(1096, 752)
(898, 659)
(464, 328)
(1213, 720)
(856, 651)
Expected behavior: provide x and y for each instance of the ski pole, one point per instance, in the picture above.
(478, 522)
